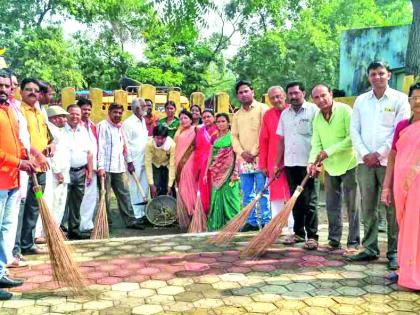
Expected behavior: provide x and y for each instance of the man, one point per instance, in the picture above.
(112, 154)
(295, 131)
(170, 121)
(88, 206)
(279, 189)
(151, 119)
(41, 141)
(246, 125)
(375, 116)
(60, 162)
(136, 131)
(159, 161)
(331, 145)
(12, 159)
(81, 165)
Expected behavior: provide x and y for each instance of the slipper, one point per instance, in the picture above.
(311, 244)
(292, 239)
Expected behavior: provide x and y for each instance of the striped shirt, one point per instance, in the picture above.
(110, 148)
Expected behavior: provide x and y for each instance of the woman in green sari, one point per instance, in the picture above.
(223, 174)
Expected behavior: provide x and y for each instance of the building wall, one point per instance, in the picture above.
(359, 47)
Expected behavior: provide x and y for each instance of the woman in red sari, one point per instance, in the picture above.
(402, 183)
(186, 174)
(202, 153)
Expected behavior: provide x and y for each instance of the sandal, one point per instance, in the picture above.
(311, 244)
(292, 239)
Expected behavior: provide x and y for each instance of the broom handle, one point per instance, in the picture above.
(139, 188)
(102, 184)
(275, 176)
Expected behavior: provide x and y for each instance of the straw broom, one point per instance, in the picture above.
(101, 228)
(65, 270)
(199, 221)
(268, 235)
(238, 222)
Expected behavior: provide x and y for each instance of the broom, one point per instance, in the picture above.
(268, 235)
(140, 189)
(238, 222)
(101, 228)
(199, 221)
(64, 269)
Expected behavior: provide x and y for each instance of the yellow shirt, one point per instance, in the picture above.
(160, 157)
(246, 125)
(37, 127)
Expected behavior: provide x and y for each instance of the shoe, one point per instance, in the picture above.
(17, 262)
(135, 225)
(311, 244)
(40, 240)
(248, 227)
(332, 246)
(4, 295)
(78, 236)
(392, 276)
(6, 282)
(35, 251)
(392, 263)
(362, 256)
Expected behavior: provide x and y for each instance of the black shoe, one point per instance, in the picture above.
(135, 225)
(78, 236)
(363, 256)
(248, 227)
(6, 282)
(392, 263)
(4, 295)
(35, 251)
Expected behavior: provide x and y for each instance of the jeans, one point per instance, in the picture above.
(370, 183)
(7, 216)
(337, 187)
(251, 185)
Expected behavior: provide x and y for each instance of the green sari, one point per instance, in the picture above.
(225, 196)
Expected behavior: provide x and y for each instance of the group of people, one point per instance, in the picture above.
(214, 160)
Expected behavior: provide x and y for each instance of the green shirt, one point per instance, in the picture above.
(172, 128)
(333, 137)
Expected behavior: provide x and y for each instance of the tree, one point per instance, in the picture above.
(412, 63)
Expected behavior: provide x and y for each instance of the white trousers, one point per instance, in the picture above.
(88, 206)
(135, 195)
(276, 207)
(48, 196)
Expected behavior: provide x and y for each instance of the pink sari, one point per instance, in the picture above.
(186, 174)
(407, 204)
(202, 154)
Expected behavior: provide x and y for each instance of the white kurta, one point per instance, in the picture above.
(137, 137)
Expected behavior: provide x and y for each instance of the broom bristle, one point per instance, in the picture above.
(65, 270)
(199, 221)
(101, 228)
(182, 213)
(269, 234)
(234, 225)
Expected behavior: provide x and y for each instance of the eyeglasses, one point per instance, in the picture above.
(31, 90)
(414, 98)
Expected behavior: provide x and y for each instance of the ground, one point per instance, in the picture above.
(184, 274)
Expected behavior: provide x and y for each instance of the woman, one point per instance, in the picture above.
(225, 195)
(196, 114)
(186, 175)
(170, 121)
(202, 153)
(402, 183)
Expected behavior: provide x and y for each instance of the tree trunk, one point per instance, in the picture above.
(412, 60)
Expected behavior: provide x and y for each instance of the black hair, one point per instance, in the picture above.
(198, 106)
(242, 82)
(26, 81)
(170, 103)
(186, 113)
(223, 115)
(5, 73)
(148, 100)
(43, 87)
(84, 101)
(378, 64)
(208, 111)
(324, 85)
(113, 106)
(160, 131)
(295, 83)
(72, 106)
(415, 86)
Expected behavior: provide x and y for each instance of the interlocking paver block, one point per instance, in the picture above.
(67, 307)
(260, 307)
(147, 309)
(377, 298)
(352, 291)
(208, 303)
(97, 305)
(228, 310)
(404, 296)
(50, 301)
(113, 295)
(300, 287)
(346, 309)
(125, 286)
(376, 308)
(141, 293)
(18, 303)
(404, 306)
(380, 289)
(265, 297)
(226, 285)
(153, 284)
(290, 304)
(237, 300)
(320, 301)
(315, 310)
(188, 296)
(170, 290)
(159, 299)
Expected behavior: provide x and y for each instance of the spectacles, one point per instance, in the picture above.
(31, 90)
(414, 98)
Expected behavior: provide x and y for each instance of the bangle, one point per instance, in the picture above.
(386, 189)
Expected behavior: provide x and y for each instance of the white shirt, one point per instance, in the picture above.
(296, 128)
(60, 162)
(374, 120)
(137, 137)
(110, 148)
(79, 145)
(94, 143)
(23, 125)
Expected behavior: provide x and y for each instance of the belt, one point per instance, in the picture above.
(76, 169)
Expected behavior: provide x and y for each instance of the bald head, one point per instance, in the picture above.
(322, 97)
(277, 96)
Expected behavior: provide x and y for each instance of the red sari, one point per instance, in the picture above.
(202, 154)
(279, 189)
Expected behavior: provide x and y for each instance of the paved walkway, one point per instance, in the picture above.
(183, 274)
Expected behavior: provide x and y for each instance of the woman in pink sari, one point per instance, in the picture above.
(186, 174)
(202, 153)
(402, 183)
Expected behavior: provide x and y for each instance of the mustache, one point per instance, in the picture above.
(31, 95)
